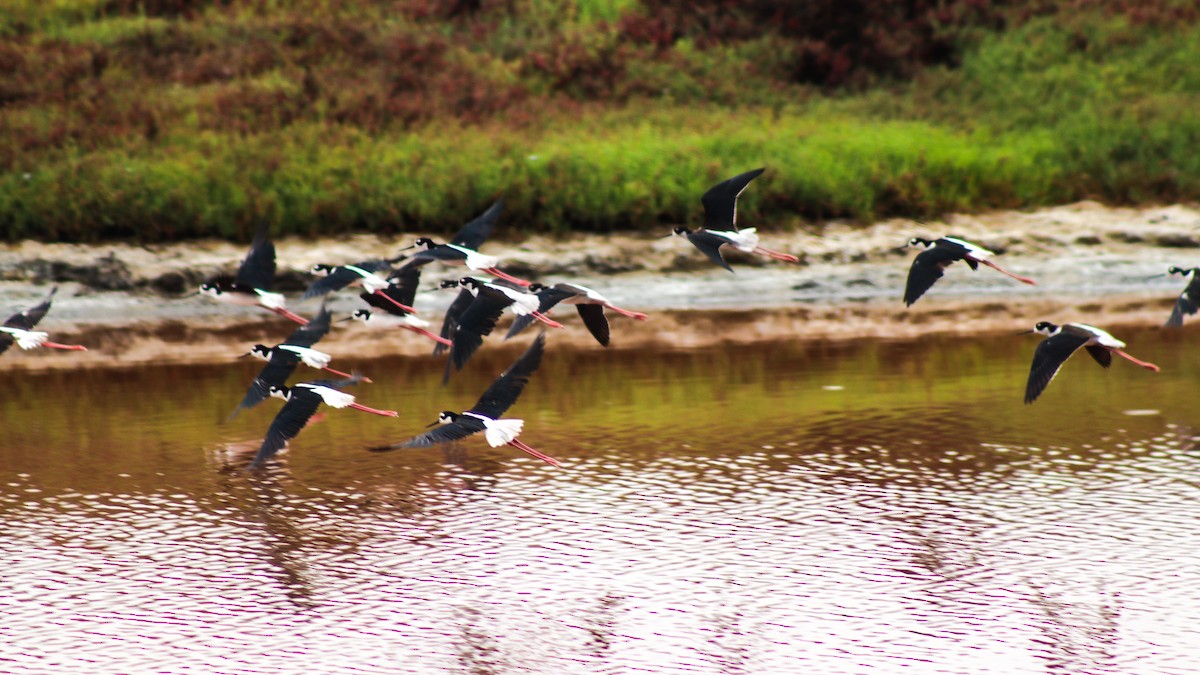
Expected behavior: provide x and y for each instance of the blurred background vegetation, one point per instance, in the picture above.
(167, 119)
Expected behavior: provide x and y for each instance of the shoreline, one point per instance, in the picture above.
(1094, 264)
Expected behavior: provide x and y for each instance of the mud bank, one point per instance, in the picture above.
(1102, 265)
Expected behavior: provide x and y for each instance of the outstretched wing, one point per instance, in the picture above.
(505, 390)
(547, 299)
(312, 332)
(927, 268)
(336, 280)
(473, 234)
(597, 324)
(477, 322)
(276, 372)
(1186, 304)
(720, 201)
(258, 269)
(444, 433)
(287, 424)
(461, 302)
(1050, 355)
(710, 245)
(1100, 355)
(28, 318)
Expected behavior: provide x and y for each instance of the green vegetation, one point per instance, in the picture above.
(169, 119)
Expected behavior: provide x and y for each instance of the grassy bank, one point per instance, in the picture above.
(180, 119)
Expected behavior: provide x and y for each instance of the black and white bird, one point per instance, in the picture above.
(479, 318)
(463, 247)
(251, 286)
(1063, 341)
(302, 401)
(485, 415)
(450, 321)
(390, 305)
(283, 358)
(18, 329)
(361, 274)
(588, 302)
(930, 264)
(1189, 299)
(720, 223)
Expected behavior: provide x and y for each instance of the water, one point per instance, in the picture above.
(877, 507)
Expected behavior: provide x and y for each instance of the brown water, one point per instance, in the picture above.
(878, 507)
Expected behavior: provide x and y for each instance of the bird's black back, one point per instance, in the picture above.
(473, 234)
(476, 323)
(460, 428)
(505, 390)
(1050, 355)
(720, 201)
(258, 268)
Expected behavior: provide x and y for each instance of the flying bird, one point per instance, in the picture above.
(283, 358)
(18, 329)
(302, 401)
(588, 303)
(251, 286)
(720, 223)
(485, 415)
(393, 305)
(1189, 299)
(479, 319)
(1063, 341)
(362, 274)
(930, 264)
(463, 247)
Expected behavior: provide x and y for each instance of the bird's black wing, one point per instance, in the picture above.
(1100, 354)
(258, 269)
(597, 324)
(28, 318)
(404, 283)
(461, 302)
(336, 280)
(287, 423)
(441, 253)
(276, 372)
(504, 391)
(473, 234)
(477, 322)
(311, 333)
(710, 245)
(444, 433)
(1186, 304)
(6, 341)
(720, 201)
(547, 299)
(1050, 355)
(927, 268)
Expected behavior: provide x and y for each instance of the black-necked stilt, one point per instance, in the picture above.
(930, 264)
(1063, 341)
(393, 305)
(460, 304)
(485, 416)
(463, 247)
(302, 401)
(1189, 299)
(720, 223)
(362, 274)
(283, 358)
(588, 302)
(252, 285)
(18, 329)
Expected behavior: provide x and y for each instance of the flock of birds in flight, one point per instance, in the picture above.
(477, 308)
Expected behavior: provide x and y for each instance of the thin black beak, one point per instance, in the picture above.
(345, 318)
(1025, 332)
(246, 354)
(433, 424)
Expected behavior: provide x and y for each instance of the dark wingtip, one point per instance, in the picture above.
(383, 448)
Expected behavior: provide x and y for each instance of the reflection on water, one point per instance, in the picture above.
(882, 507)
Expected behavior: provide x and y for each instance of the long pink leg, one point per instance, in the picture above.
(289, 315)
(525, 448)
(786, 257)
(625, 312)
(495, 271)
(338, 372)
(74, 348)
(431, 336)
(389, 298)
(546, 320)
(1144, 364)
(385, 413)
(1018, 277)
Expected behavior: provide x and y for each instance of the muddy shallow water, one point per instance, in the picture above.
(841, 508)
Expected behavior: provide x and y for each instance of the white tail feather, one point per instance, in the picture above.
(479, 261)
(271, 300)
(332, 397)
(500, 432)
(311, 357)
(26, 339)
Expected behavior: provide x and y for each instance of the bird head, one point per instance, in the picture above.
(322, 270)
(210, 289)
(918, 241)
(680, 231)
(260, 351)
(424, 243)
(449, 283)
(280, 392)
(470, 282)
(1045, 328)
(363, 315)
(1180, 271)
(535, 287)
